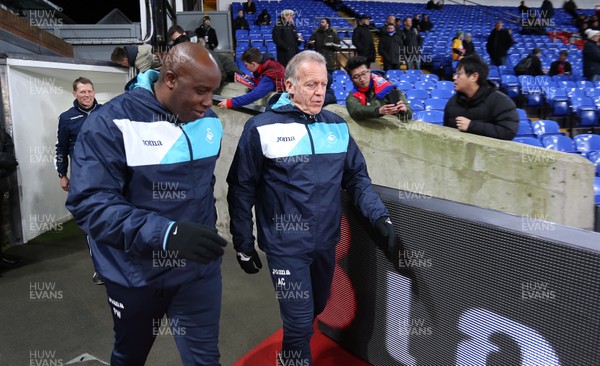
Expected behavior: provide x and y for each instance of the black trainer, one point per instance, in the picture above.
(97, 279)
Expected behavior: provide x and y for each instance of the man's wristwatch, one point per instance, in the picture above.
(60, 175)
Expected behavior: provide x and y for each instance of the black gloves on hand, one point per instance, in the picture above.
(196, 242)
(386, 229)
(249, 261)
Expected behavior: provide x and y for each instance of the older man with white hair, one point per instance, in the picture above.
(285, 37)
(591, 55)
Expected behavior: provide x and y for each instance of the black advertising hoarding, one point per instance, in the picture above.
(469, 287)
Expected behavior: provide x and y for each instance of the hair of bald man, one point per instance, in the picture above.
(181, 56)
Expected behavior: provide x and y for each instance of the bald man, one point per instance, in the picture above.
(142, 190)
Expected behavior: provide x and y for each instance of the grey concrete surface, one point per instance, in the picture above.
(67, 315)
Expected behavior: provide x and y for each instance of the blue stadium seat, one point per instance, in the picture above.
(528, 141)
(442, 93)
(525, 129)
(597, 190)
(394, 75)
(425, 85)
(559, 143)
(435, 104)
(586, 143)
(594, 157)
(431, 116)
(417, 94)
(544, 127)
(445, 84)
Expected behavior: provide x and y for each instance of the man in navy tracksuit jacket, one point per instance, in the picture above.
(69, 124)
(291, 163)
(142, 189)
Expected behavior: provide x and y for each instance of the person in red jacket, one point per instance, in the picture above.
(268, 76)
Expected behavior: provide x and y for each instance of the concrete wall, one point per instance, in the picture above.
(430, 160)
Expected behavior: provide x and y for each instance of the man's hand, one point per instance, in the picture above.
(249, 261)
(386, 229)
(462, 123)
(402, 108)
(223, 104)
(64, 183)
(388, 109)
(196, 242)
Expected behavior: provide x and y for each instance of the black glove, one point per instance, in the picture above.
(249, 261)
(196, 242)
(386, 229)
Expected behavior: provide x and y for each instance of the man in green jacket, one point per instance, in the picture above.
(373, 96)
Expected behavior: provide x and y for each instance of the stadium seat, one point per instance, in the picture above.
(544, 127)
(559, 143)
(435, 104)
(417, 94)
(394, 75)
(445, 84)
(586, 143)
(442, 93)
(431, 116)
(594, 157)
(528, 141)
(426, 85)
(525, 129)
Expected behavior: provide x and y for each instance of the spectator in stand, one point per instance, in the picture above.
(411, 45)
(373, 96)
(591, 55)
(561, 66)
(416, 21)
(285, 37)
(390, 44)
(458, 49)
(547, 9)
(523, 8)
(362, 39)
(249, 7)
(426, 24)
(268, 76)
(177, 34)
(570, 8)
(498, 43)
(326, 41)
(388, 20)
(207, 33)
(431, 5)
(263, 18)
(468, 45)
(140, 57)
(398, 24)
(478, 107)
(240, 22)
(225, 61)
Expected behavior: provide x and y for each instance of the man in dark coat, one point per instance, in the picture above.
(240, 22)
(326, 41)
(8, 165)
(390, 44)
(285, 37)
(478, 107)
(207, 33)
(591, 55)
(362, 39)
(561, 66)
(498, 43)
(412, 41)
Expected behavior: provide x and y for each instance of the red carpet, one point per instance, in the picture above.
(325, 352)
